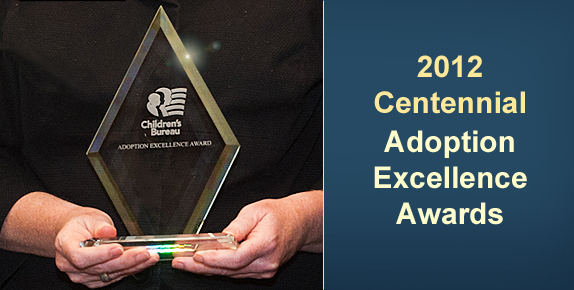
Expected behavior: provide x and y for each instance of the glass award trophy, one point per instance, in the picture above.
(163, 148)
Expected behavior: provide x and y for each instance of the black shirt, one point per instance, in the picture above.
(61, 63)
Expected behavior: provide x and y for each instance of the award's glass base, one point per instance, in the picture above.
(170, 246)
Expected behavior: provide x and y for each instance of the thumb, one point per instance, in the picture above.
(243, 224)
(107, 231)
(101, 228)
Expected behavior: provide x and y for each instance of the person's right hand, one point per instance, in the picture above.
(85, 265)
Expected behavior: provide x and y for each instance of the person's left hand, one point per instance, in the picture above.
(272, 231)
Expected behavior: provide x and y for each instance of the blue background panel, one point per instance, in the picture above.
(374, 46)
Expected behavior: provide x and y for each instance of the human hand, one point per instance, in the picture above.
(84, 265)
(272, 231)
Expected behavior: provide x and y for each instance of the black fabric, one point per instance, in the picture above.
(61, 63)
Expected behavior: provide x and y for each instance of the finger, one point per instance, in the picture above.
(131, 258)
(99, 283)
(190, 265)
(82, 258)
(247, 252)
(265, 275)
(85, 277)
(259, 269)
(154, 258)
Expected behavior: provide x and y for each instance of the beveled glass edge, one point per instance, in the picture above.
(117, 199)
(197, 81)
(211, 189)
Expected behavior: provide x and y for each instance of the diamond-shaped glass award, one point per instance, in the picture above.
(163, 148)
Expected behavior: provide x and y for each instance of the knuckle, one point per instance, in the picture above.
(259, 206)
(62, 264)
(269, 266)
(77, 261)
(265, 205)
(246, 210)
(274, 241)
(272, 267)
(237, 262)
(98, 269)
(58, 244)
(268, 275)
(271, 244)
(94, 285)
(75, 278)
(221, 272)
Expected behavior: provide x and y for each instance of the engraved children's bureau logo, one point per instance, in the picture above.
(165, 102)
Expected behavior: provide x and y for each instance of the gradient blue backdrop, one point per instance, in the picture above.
(373, 46)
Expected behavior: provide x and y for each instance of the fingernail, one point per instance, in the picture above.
(142, 256)
(116, 252)
(198, 258)
(177, 265)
